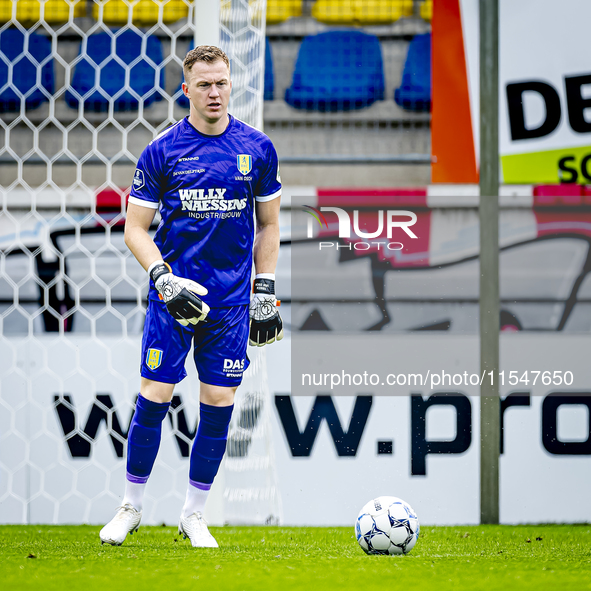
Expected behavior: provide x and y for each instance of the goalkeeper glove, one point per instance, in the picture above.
(266, 325)
(179, 294)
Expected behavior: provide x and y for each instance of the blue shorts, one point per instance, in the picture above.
(219, 346)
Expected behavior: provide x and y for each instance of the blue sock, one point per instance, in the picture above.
(143, 438)
(210, 443)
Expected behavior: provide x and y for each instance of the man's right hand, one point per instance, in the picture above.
(179, 294)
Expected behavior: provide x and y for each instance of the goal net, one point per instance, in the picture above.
(84, 86)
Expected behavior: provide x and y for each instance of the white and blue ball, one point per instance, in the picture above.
(387, 525)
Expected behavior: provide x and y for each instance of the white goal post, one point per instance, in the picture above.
(72, 297)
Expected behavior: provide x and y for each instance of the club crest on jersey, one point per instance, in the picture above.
(244, 163)
(154, 358)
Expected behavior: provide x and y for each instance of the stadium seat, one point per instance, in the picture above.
(29, 12)
(414, 93)
(24, 69)
(277, 10)
(336, 71)
(334, 12)
(361, 12)
(269, 75)
(143, 76)
(427, 10)
(280, 10)
(144, 12)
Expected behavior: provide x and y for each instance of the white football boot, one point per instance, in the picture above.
(194, 527)
(126, 521)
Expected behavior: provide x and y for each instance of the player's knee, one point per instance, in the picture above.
(156, 391)
(216, 395)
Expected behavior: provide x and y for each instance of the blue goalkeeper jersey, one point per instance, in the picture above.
(205, 188)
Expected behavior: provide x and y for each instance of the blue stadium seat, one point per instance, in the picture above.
(414, 92)
(269, 76)
(143, 76)
(24, 70)
(337, 71)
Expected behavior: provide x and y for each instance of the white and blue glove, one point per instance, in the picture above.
(266, 325)
(179, 294)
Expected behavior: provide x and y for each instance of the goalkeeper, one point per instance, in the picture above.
(207, 175)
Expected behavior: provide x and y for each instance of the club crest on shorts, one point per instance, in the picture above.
(154, 358)
(244, 163)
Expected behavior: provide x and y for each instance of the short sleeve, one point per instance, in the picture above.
(269, 183)
(146, 186)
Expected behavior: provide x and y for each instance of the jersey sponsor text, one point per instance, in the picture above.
(209, 200)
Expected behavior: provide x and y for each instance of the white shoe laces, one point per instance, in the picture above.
(198, 520)
(124, 511)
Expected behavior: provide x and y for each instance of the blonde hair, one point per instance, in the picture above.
(203, 53)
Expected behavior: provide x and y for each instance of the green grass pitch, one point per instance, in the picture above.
(68, 558)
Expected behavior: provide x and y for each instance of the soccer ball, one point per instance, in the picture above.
(387, 525)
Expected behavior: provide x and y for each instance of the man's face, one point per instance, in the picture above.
(208, 88)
